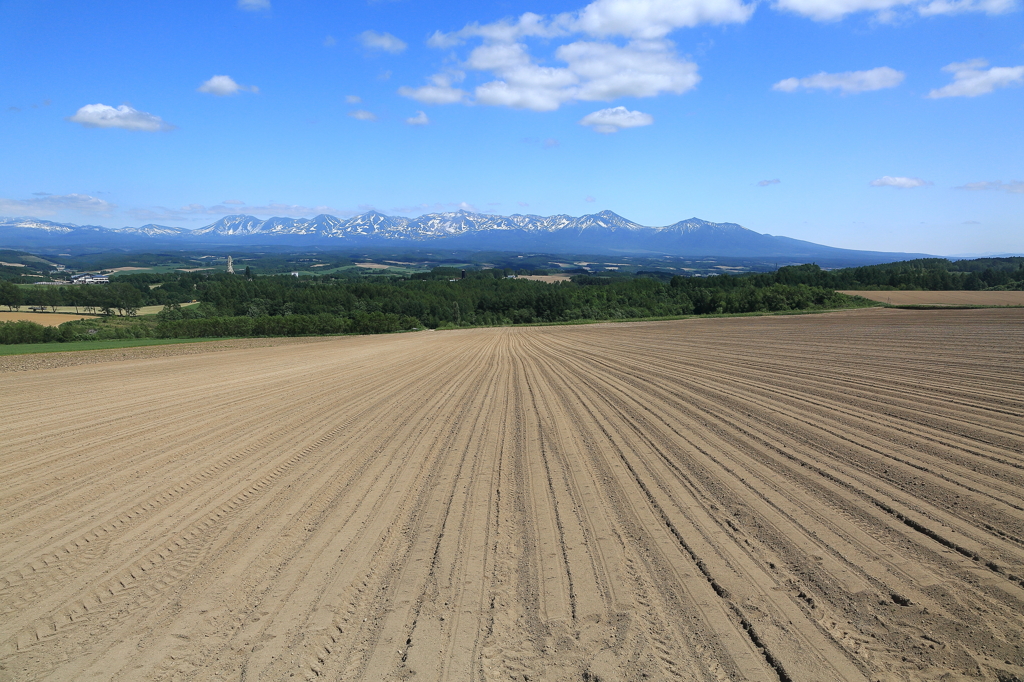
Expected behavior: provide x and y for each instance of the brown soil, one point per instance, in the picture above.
(825, 497)
(943, 297)
(45, 319)
(373, 266)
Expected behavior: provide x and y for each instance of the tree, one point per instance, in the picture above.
(51, 297)
(10, 295)
(73, 296)
(125, 298)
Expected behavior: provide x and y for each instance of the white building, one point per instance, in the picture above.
(89, 278)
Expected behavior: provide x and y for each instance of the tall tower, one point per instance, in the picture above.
(231, 268)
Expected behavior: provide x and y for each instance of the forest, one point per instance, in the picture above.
(215, 304)
(236, 305)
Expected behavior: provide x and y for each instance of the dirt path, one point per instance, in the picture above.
(824, 497)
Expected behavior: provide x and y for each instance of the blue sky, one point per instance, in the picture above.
(871, 124)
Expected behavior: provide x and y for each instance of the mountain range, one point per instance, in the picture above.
(600, 233)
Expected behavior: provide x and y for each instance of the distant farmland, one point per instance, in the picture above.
(45, 319)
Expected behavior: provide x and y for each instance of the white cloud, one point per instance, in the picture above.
(590, 199)
(646, 66)
(420, 119)
(50, 204)
(899, 182)
(886, 10)
(353, 99)
(1013, 187)
(971, 79)
(640, 19)
(505, 30)
(959, 6)
(254, 5)
(613, 120)
(104, 116)
(849, 82)
(225, 85)
(363, 115)
(329, 41)
(657, 18)
(441, 90)
(765, 183)
(381, 41)
(594, 71)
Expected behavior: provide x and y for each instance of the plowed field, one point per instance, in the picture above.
(812, 498)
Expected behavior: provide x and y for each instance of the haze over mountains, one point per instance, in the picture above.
(600, 233)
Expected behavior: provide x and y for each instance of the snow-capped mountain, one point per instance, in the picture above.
(152, 230)
(598, 233)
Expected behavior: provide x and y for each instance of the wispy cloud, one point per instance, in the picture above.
(384, 42)
(420, 119)
(124, 116)
(254, 5)
(888, 10)
(225, 85)
(193, 212)
(765, 183)
(848, 82)
(1013, 187)
(899, 182)
(441, 89)
(363, 115)
(420, 209)
(636, 19)
(615, 119)
(547, 143)
(50, 204)
(971, 79)
(353, 99)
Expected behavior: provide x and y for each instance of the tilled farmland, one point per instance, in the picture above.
(804, 498)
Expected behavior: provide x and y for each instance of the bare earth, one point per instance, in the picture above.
(810, 498)
(45, 319)
(943, 297)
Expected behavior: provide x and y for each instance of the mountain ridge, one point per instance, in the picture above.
(604, 232)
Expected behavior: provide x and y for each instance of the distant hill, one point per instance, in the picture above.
(599, 233)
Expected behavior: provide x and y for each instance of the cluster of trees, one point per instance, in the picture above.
(122, 297)
(931, 274)
(490, 298)
(233, 305)
(29, 332)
